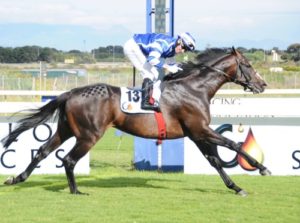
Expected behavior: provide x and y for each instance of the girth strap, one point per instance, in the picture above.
(162, 131)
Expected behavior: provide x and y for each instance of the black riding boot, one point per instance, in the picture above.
(147, 89)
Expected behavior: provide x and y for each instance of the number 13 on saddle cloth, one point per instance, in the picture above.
(131, 101)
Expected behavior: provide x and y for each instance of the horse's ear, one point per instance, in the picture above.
(234, 51)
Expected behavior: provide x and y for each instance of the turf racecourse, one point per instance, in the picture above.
(119, 194)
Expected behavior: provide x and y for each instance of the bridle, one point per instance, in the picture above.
(239, 73)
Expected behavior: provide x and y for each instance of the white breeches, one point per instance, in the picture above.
(156, 90)
(139, 61)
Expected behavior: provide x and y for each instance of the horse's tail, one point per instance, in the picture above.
(39, 116)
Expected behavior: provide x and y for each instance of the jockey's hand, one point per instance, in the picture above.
(173, 68)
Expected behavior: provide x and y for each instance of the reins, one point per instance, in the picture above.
(230, 78)
(219, 71)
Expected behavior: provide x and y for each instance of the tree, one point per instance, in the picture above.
(46, 54)
(7, 55)
(26, 54)
(293, 48)
(101, 52)
(292, 52)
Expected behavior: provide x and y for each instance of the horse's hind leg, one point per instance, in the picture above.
(70, 160)
(42, 153)
(215, 162)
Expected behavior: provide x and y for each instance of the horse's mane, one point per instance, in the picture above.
(211, 55)
(208, 57)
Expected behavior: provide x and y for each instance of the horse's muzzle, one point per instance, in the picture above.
(256, 88)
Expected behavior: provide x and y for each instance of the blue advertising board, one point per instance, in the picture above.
(146, 154)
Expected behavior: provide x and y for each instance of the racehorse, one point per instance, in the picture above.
(86, 113)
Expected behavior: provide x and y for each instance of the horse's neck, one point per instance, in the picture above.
(204, 86)
(216, 84)
(209, 83)
(215, 80)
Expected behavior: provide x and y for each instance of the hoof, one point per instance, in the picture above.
(242, 193)
(9, 181)
(265, 172)
(77, 192)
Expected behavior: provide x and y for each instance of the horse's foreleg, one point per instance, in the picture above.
(253, 162)
(42, 153)
(217, 139)
(215, 162)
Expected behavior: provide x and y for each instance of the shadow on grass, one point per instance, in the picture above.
(220, 191)
(59, 183)
(94, 165)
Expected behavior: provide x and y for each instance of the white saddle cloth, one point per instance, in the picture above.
(131, 101)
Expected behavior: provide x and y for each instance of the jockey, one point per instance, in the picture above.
(148, 52)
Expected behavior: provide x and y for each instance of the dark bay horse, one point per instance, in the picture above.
(86, 113)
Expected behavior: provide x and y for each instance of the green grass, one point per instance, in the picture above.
(119, 194)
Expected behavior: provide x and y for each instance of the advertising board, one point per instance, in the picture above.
(269, 127)
(19, 154)
(277, 147)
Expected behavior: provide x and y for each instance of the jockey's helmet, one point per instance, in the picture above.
(188, 41)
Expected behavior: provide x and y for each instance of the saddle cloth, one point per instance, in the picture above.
(131, 101)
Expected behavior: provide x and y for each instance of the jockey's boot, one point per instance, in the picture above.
(148, 103)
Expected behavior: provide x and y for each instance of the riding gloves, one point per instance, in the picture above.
(172, 68)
